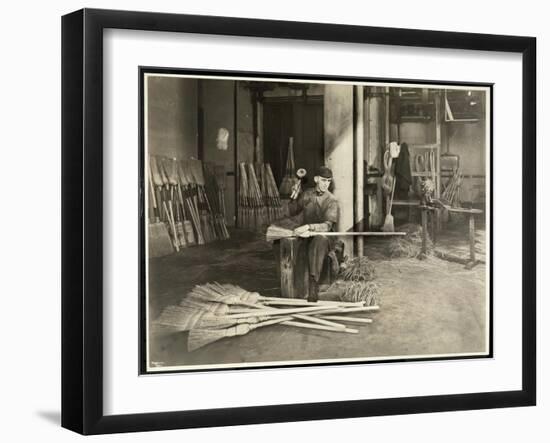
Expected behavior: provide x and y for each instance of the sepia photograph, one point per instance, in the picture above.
(297, 221)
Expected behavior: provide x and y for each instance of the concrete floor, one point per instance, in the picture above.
(427, 307)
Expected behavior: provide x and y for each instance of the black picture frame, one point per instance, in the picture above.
(82, 218)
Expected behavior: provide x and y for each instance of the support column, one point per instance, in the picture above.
(359, 167)
(374, 136)
(338, 122)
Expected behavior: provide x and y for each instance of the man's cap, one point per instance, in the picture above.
(324, 172)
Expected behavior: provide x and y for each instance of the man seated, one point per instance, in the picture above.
(316, 210)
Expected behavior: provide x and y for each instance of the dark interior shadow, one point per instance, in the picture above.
(54, 417)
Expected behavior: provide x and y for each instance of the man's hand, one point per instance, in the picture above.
(302, 231)
(296, 189)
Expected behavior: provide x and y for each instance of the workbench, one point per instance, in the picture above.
(425, 210)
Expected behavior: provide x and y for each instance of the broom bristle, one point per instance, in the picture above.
(182, 173)
(171, 171)
(191, 302)
(196, 170)
(202, 337)
(357, 269)
(364, 291)
(277, 233)
(199, 338)
(182, 318)
(157, 179)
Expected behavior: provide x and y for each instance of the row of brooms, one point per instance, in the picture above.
(259, 203)
(185, 196)
(213, 311)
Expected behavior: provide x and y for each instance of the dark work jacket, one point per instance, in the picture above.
(403, 174)
(315, 209)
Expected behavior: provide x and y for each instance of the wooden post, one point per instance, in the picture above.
(472, 239)
(338, 126)
(359, 211)
(424, 215)
(294, 268)
(374, 126)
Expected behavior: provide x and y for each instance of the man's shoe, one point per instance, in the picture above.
(313, 294)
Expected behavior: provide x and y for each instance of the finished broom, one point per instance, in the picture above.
(202, 337)
(213, 311)
(186, 194)
(277, 233)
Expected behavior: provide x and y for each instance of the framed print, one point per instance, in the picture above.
(277, 221)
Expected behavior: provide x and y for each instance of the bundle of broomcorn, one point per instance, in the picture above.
(355, 282)
(277, 233)
(213, 311)
(254, 207)
(410, 245)
(270, 192)
(289, 179)
(357, 269)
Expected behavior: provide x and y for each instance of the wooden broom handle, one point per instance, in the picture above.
(269, 322)
(273, 312)
(320, 327)
(319, 321)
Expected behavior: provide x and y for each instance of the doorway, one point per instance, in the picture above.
(301, 119)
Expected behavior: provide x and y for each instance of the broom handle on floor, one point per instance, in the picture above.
(273, 312)
(347, 319)
(321, 327)
(269, 322)
(346, 310)
(319, 321)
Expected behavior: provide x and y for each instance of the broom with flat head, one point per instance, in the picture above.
(197, 200)
(186, 194)
(207, 294)
(202, 337)
(157, 181)
(159, 243)
(162, 163)
(186, 317)
(206, 213)
(171, 168)
(277, 233)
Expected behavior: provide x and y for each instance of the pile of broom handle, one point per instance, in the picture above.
(319, 315)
